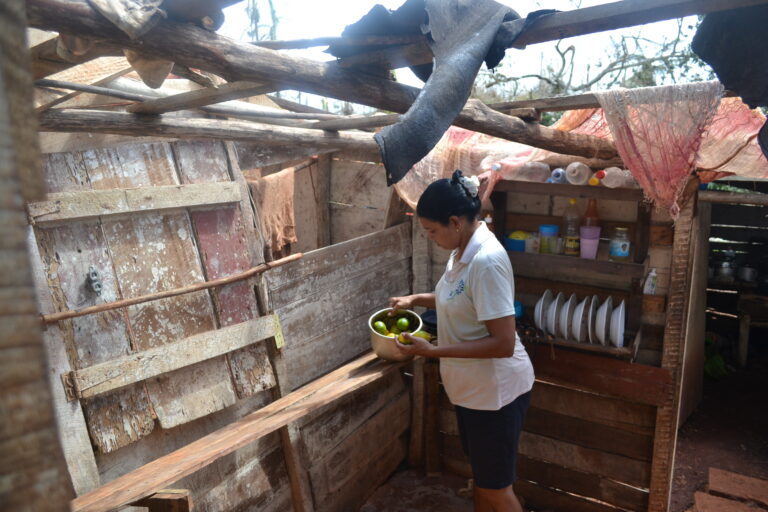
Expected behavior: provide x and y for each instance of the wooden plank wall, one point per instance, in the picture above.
(359, 196)
(323, 300)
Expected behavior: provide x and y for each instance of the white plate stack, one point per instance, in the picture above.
(585, 321)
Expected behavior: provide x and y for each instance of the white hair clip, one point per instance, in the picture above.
(472, 184)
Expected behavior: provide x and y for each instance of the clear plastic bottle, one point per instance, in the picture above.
(578, 173)
(615, 178)
(571, 221)
(649, 288)
(558, 176)
(619, 248)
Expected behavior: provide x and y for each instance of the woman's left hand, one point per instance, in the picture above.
(418, 346)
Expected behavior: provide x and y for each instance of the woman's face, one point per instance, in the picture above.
(448, 236)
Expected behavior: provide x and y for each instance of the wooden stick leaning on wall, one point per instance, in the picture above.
(64, 315)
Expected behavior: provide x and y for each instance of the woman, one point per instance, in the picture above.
(484, 368)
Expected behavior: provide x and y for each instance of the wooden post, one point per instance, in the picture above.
(642, 231)
(432, 417)
(33, 469)
(499, 202)
(416, 446)
(396, 209)
(321, 179)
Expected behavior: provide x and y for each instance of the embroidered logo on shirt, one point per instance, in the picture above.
(458, 290)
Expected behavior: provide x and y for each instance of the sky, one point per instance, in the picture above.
(299, 19)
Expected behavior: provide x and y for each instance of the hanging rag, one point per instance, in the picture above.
(735, 44)
(658, 131)
(273, 195)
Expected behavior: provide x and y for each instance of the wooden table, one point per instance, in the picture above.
(752, 310)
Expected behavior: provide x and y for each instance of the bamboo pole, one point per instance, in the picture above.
(123, 303)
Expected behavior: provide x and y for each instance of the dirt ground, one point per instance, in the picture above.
(729, 430)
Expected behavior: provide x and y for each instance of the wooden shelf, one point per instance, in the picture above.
(571, 269)
(627, 352)
(576, 191)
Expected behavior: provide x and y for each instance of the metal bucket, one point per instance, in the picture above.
(384, 346)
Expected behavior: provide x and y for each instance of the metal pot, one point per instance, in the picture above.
(747, 273)
(383, 346)
(725, 269)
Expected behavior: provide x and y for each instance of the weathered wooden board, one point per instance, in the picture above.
(604, 274)
(328, 267)
(70, 206)
(323, 430)
(68, 252)
(333, 474)
(708, 503)
(222, 242)
(363, 186)
(727, 483)
(544, 498)
(145, 364)
(740, 215)
(633, 382)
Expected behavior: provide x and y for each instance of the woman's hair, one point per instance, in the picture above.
(448, 197)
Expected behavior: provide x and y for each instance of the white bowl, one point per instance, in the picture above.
(579, 324)
(594, 303)
(553, 313)
(566, 315)
(601, 324)
(540, 312)
(617, 325)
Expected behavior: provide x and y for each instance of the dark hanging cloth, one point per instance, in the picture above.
(735, 44)
(461, 34)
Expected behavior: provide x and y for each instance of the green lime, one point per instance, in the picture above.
(380, 327)
(395, 329)
(403, 323)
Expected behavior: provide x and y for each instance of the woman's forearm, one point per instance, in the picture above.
(426, 300)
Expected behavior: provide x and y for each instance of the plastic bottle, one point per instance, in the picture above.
(649, 288)
(590, 216)
(548, 238)
(577, 173)
(619, 247)
(571, 218)
(537, 172)
(558, 176)
(615, 178)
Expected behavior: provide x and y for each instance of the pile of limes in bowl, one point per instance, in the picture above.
(394, 326)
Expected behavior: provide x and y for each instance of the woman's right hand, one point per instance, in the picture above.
(405, 302)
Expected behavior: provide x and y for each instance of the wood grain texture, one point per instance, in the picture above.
(194, 456)
(143, 365)
(364, 186)
(743, 487)
(708, 503)
(34, 472)
(70, 206)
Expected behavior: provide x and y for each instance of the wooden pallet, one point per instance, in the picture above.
(731, 492)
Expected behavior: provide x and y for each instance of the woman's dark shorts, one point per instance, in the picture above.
(490, 440)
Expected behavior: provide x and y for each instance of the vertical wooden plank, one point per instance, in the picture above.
(665, 436)
(422, 259)
(432, 418)
(642, 231)
(396, 208)
(68, 253)
(222, 244)
(33, 470)
(499, 201)
(321, 178)
(155, 252)
(416, 444)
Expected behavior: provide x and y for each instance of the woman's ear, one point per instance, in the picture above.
(454, 223)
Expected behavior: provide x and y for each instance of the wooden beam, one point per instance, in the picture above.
(296, 44)
(394, 57)
(201, 97)
(258, 269)
(176, 465)
(98, 203)
(711, 196)
(615, 15)
(357, 122)
(101, 378)
(576, 191)
(167, 500)
(123, 123)
(201, 49)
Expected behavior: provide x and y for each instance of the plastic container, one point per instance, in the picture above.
(515, 241)
(615, 178)
(548, 235)
(619, 248)
(590, 240)
(590, 216)
(537, 172)
(557, 176)
(649, 288)
(532, 243)
(571, 218)
(385, 346)
(578, 173)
